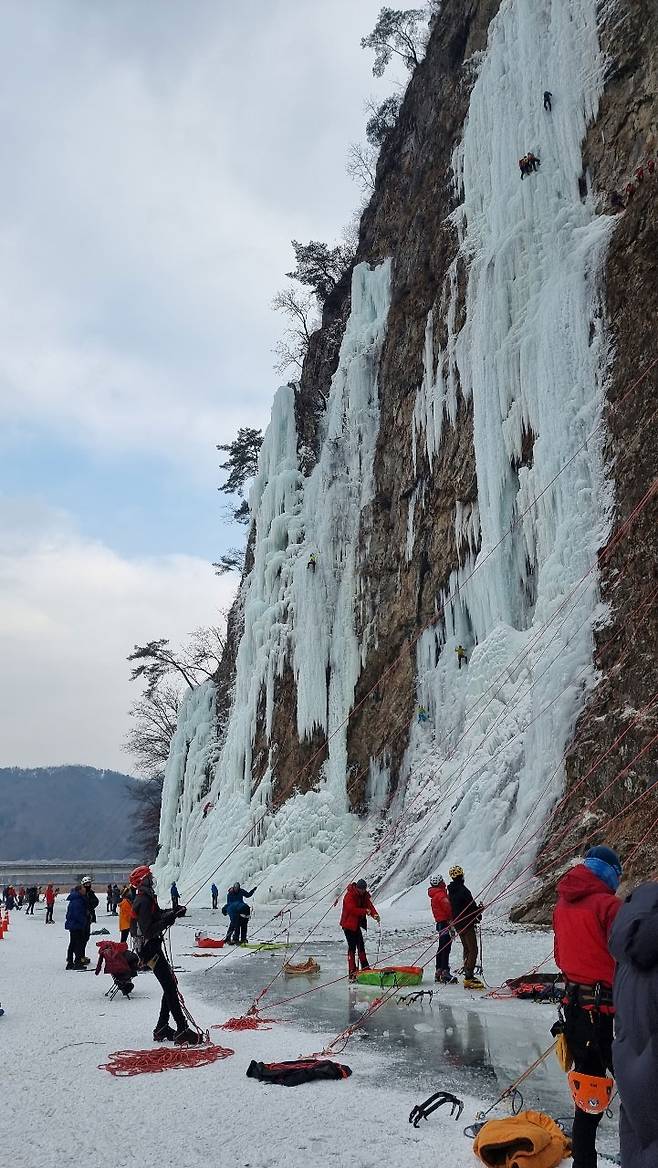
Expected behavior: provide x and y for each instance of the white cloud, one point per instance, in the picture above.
(71, 610)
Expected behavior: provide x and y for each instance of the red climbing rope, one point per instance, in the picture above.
(250, 1021)
(124, 1063)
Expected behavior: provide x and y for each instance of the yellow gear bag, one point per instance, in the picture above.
(528, 1140)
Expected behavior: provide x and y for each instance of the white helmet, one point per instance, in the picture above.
(436, 880)
(86, 880)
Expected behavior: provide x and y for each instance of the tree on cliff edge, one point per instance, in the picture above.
(396, 33)
(241, 464)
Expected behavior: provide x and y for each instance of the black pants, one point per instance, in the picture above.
(237, 931)
(152, 954)
(30, 909)
(214, 902)
(125, 933)
(49, 913)
(76, 947)
(355, 944)
(443, 951)
(589, 1037)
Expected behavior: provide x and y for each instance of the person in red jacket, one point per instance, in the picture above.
(49, 897)
(357, 907)
(586, 907)
(442, 913)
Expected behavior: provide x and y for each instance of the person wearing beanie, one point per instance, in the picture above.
(357, 907)
(442, 913)
(584, 914)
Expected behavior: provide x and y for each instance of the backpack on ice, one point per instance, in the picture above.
(528, 1140)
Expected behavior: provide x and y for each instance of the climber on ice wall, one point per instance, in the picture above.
(461, 655)
(548, 100)
(357, 907)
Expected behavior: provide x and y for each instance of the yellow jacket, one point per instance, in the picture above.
(528, 1140)
(125, 913)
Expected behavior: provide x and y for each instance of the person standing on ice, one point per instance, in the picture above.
(92, 905)
(175, 897)
(357, 907)
(49, 897)
(634, 946)
(548, 100)
(126, 913)
(584, 914)
(442, 913)
(108, 899)
(466, 914)
(214, 892)
(153, 923)
(76, 925)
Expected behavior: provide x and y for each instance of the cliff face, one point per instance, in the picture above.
(461, 447)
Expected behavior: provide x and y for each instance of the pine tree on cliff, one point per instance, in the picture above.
(396, 33)
(241, 464)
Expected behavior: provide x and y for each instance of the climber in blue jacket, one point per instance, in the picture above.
(238, 913)
(77, 919)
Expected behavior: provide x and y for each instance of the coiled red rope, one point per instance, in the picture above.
(124, 1063)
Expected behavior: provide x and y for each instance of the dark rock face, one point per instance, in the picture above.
(409, 220)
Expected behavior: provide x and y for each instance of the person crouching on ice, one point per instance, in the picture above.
(153, 922)
(442, 914)
(357, 907)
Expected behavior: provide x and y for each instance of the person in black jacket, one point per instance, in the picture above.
(634, 945)
(153, 922)
(466, 914)
(92, 904)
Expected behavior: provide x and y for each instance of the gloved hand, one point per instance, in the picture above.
(181, 910)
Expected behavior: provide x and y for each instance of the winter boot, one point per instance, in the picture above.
(164, 1034)
(69, 965)
(188, 1037)
(473, 983)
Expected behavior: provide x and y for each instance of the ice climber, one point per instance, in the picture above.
(76, 922)
(461, 655)
(357, 907)
(153, 922)
(442, 913)
(548, 100)
(466, 914)
(586, 908)
(634, 946)
(214, 892)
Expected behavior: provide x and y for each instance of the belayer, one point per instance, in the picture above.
(153, 922)
(442, 913)
(466, 914)
(357, 907)
(586, 908)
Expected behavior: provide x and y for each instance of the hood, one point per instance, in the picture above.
(580, 882)
(75, 895)
(634, 936)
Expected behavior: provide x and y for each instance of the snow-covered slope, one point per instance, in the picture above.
(524, 345)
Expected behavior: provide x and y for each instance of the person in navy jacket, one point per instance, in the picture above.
(77, 916)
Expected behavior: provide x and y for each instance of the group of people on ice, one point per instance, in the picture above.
(455, 914)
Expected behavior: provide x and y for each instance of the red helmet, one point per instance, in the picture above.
(138, 874)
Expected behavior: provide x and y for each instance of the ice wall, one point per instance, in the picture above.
(532, 356)
(301, 605)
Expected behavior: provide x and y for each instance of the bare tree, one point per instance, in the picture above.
(230, 561)
(194, 663)
(292, 348)
(154, 723)
(362, 164)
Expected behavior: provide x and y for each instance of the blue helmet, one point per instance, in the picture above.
(607, 855)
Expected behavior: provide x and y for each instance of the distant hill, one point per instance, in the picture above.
(65, 813)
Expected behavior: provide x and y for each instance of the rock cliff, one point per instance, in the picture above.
(472, 431)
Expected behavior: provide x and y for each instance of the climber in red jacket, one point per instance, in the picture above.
(586, 907)
(357, 907)
(442, 913)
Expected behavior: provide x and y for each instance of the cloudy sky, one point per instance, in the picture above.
(158, 157)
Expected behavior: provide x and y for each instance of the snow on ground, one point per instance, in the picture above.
(61, 1110)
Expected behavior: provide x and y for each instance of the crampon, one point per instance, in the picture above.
(424, 1110)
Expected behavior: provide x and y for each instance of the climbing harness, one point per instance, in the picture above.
(591, 1093)
(439, 1099)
